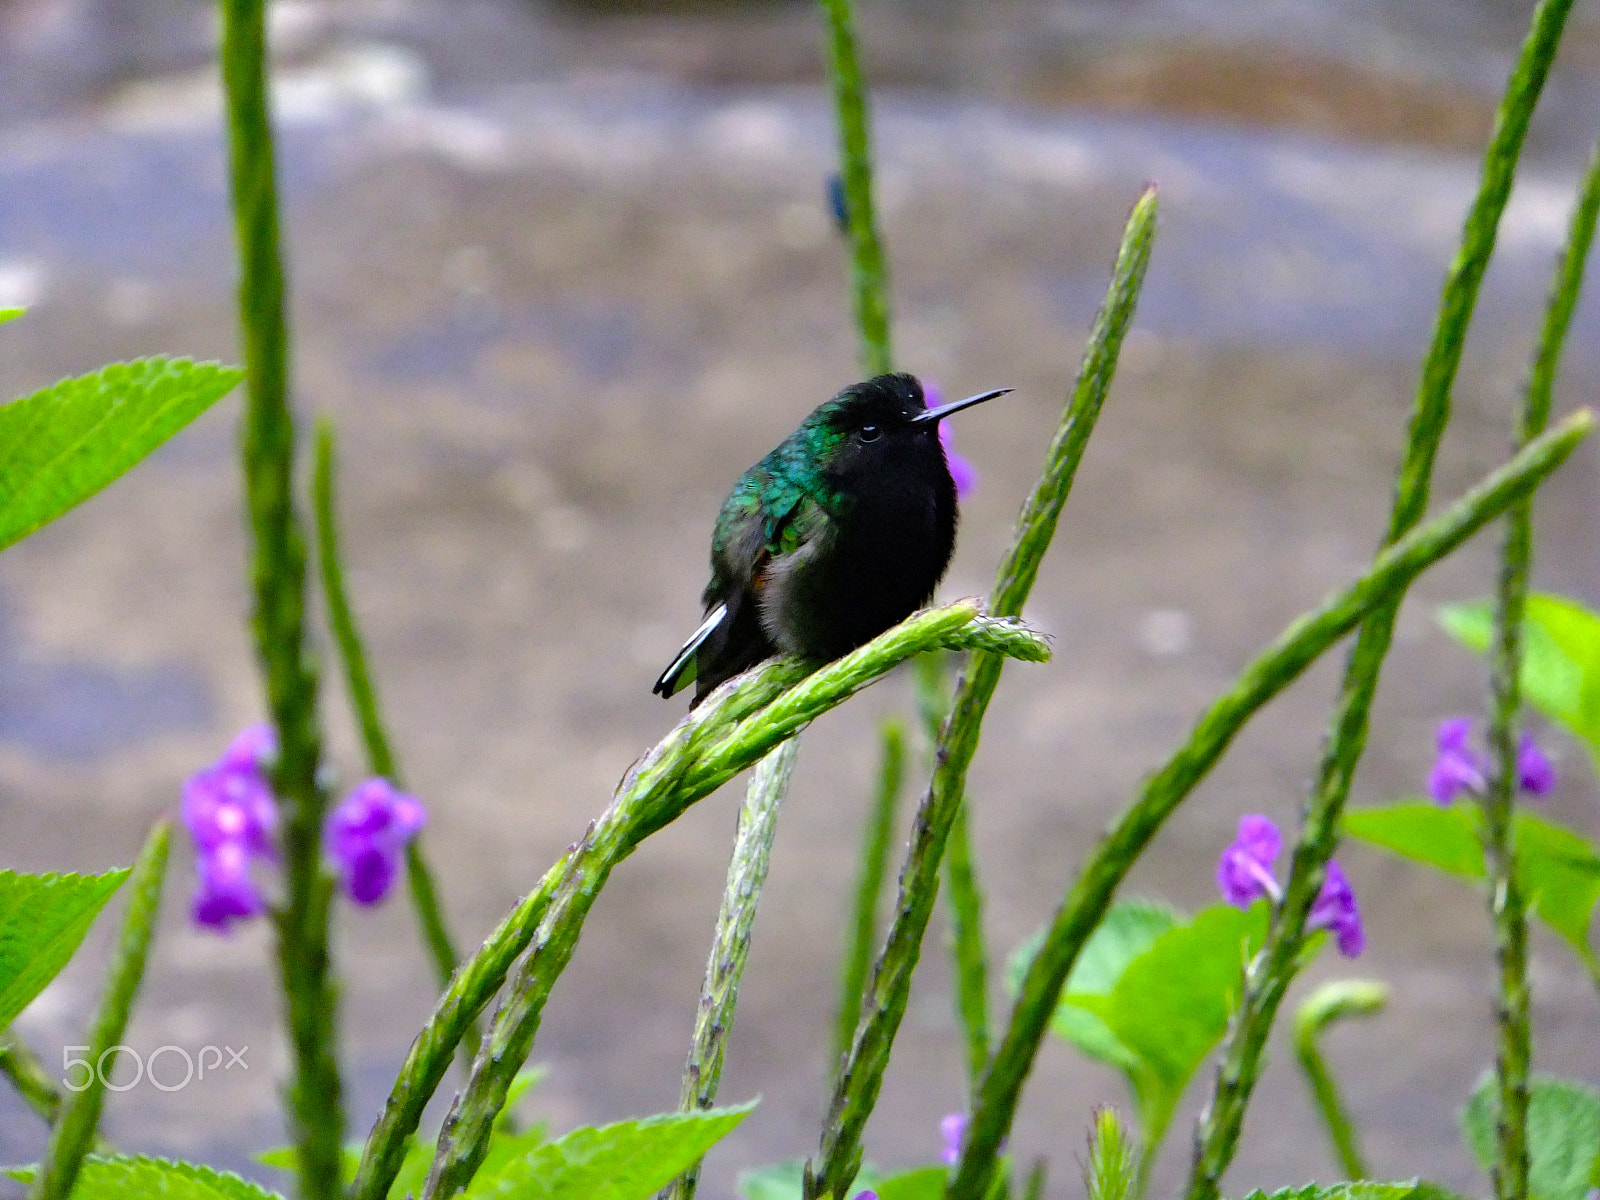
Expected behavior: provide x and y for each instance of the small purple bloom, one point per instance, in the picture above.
(366, 836)
(226, 892)
(1244, 872)
(952, 1129)
(255, 747)
(1459, 768)
(1335, 909)
(1536, 774)
(232, 815)
(1244, 875)
(230, 803)
(961, 468)
(1462, 769)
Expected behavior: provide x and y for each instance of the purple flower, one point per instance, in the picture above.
(1244, 872)
(1335, 909)
(952, 1129)
(366, 835)
(231, 800)
(231, 813)
(226, 892)
(1244, 875)
(1459, 768)
(1462, 768)
(961, 469)
(1536, 774)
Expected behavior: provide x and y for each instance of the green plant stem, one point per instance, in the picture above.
(964, 899)
(1507, 905)
(869, 272)
(861, 1075)
(741, 722)
(28, 1076)
(1267, 976)
(877, 831)
(1295, 649)
(364, 699)
(73, 1134)
(316, 1113)
(747, 874)
(1334, 1002)
(963, 896)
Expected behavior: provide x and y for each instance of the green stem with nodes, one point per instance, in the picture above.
(74, 1133)
(1295, 649)
(316, 1114)
(869, 272)
(747, 873)
(1507, 904)
(861, 1075)
(364, 698)
(1267, 976)
(1334, 1002)
(869, 887)
(963, 897)
(737, 725)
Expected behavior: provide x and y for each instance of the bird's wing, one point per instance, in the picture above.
(680, 671)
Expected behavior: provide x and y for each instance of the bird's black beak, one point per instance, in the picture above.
(934, 415)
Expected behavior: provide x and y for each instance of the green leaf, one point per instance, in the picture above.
(116, 1178)
(10, 314)
(1560, 871)
(630, 1160)
(1563, 1135)
(61, 445)
(1559, 868)
(782, 1181)
(1361, 1190)
(1561, 657)
(42, 922)
(779, 1181)
(282, 1158)
(1128, 929)
(1446, 838)
(1172, 1004)
(922, 1183)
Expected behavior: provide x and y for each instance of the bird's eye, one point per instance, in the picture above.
(870, 433)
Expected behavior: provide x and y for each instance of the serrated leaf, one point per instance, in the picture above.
(119, 1177)
(630, 1160)
(43, 919)
(1361, 1190)
(1127, 930)
(1559, 868)
(61, 445)
(1563, 1135)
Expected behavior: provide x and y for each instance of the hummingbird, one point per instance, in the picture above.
(840, 532)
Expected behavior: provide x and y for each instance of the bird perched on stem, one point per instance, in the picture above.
(839, 533)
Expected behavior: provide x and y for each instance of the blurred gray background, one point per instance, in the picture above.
(559, 273)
